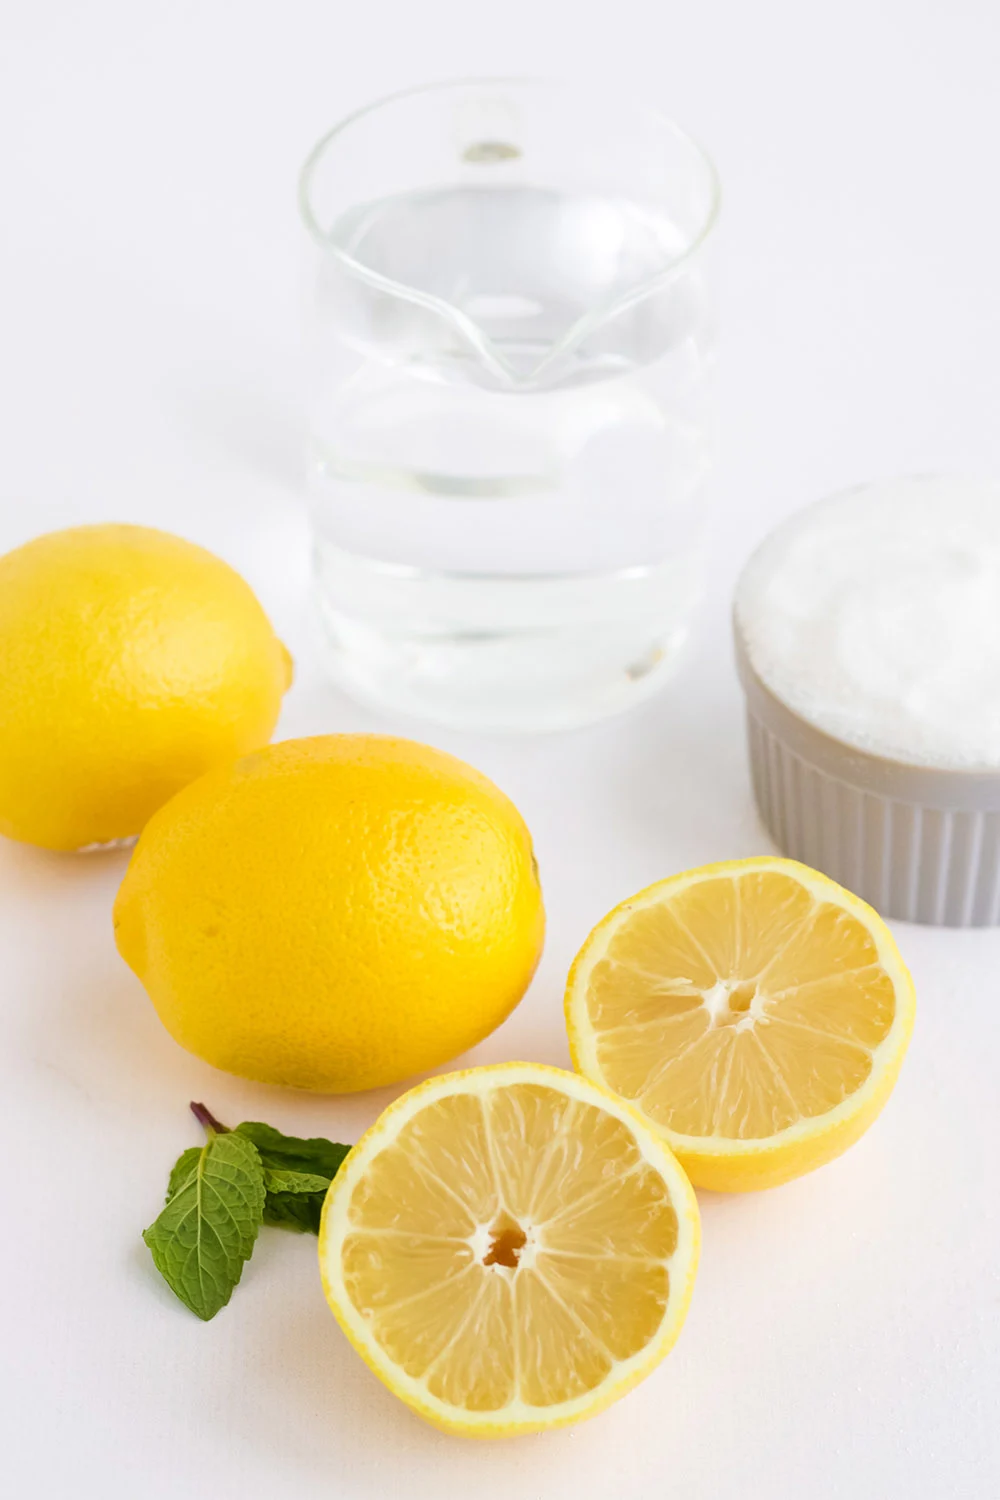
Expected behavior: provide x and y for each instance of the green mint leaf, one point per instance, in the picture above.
(206, 1231)
(290, 1164)
(293, 1153)
(299, 1212)
(294, 1200)
(294, 1182)
(182, 1169)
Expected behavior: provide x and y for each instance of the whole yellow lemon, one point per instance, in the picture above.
(131, 661)
(333, 913)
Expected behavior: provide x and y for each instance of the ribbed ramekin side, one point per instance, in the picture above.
(912, 862)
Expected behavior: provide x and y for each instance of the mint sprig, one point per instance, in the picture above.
(219, 1194)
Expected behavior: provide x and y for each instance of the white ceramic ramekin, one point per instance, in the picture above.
(917, 843)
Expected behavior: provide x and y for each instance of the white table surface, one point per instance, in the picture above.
(843, 1339)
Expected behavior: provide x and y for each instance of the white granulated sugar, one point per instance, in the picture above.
(876, 616)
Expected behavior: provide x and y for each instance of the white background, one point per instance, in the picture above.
(843, 1339)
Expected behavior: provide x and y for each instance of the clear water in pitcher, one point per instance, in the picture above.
(509, 519)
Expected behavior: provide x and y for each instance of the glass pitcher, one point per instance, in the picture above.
(510, 421)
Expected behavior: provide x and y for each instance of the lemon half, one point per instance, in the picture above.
(509, 1249)
(755, 1013)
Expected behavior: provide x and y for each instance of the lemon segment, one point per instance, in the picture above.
(509, 1249)
(755, 1013)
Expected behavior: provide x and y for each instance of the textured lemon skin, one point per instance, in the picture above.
(334, 913)
(483, 1425)
(131, 661)
(727, 1166)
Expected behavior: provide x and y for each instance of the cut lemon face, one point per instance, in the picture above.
(755, 1013)
(509, 1249)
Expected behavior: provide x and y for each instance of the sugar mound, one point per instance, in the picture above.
(876, 616)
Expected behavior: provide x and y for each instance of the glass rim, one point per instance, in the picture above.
(555, 85)
(390, 285)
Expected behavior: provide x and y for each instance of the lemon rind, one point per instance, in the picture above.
(887, 1056)
(517, 1416)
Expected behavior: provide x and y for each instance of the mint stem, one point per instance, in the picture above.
(205, 1117)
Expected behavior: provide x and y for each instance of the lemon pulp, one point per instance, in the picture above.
(509, 1249)
(756, 1013)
